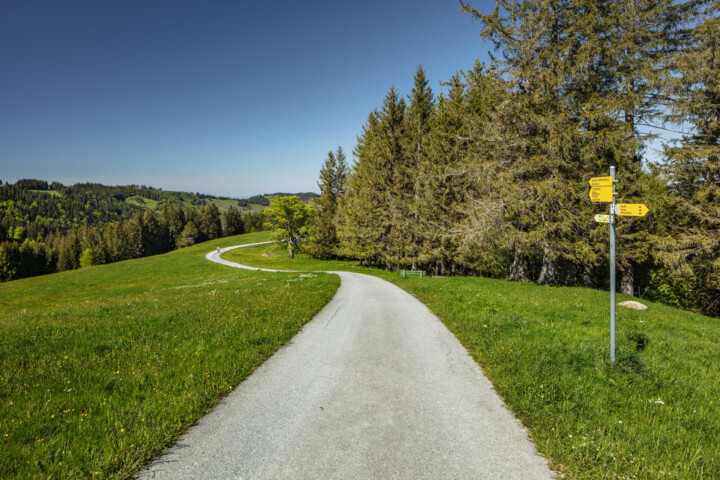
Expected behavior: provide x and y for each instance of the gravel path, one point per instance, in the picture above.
(374, 387)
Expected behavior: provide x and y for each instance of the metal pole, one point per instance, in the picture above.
(612, 270)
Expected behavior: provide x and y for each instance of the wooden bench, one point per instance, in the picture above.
(413, 273)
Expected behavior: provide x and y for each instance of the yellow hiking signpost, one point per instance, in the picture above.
(601, 194)
(602, 190)
(632, 209)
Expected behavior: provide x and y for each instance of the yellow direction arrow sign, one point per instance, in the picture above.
(601, 182)
(632, 209)
(601, 194)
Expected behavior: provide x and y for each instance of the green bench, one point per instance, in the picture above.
(413, 273)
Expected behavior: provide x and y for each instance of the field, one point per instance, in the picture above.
(102, 368)
(222, 205)
(654, 414)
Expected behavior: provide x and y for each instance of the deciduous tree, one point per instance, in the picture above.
(287, 217)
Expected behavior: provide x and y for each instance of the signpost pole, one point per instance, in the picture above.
(612, 270)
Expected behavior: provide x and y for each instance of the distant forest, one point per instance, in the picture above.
(45, 228)
(490, 176)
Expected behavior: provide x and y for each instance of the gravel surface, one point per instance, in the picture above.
(374, 387)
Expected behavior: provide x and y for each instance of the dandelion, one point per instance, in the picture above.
(122, 430)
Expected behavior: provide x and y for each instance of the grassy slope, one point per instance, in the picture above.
(102, 368)
(653, 415)
(223, 205)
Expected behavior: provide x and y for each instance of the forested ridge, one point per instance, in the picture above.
(47, 228)
(490, 175)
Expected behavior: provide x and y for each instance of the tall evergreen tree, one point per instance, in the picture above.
(363, 221)
(232, 223)
(324, 241)
(209, 225)
(692, 165)
(406, 219)
(394, 162)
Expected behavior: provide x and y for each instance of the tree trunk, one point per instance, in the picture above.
(548, 272)
(588, 276)
(519, 269)
(291, 253)
(627, 281)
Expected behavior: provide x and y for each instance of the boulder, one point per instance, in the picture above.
(633, 305)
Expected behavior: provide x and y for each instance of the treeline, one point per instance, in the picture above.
(145, 233)
(30, 209)
(490, 177)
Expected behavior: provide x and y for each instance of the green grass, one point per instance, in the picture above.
(655, 414)
(139, 201)
(222, 204)
(52, 193)
(102, 368)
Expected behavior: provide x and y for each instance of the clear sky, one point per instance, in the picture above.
(222, 97)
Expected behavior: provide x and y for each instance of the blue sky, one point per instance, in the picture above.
(222, 97)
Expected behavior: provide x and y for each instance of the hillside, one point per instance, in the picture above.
(104, 367)
(125, 356)
(39, 207)
(46, 228)
(654, 414)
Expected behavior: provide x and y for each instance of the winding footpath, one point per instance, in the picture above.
(373, 387)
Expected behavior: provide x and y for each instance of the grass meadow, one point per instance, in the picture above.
(655, 414)
(102, 368)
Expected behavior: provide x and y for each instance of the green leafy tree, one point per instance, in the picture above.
(287, 217)
(87, 258)
(19, 234)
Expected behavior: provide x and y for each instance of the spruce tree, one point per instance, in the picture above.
(692, 164)
(363, 221)
(324, 241)
(394, 164)
(231, 221)
(407, 221)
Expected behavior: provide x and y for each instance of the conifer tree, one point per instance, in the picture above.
(406, 218)
(394, 164)
(209, 222)
(442, 183)
(363, 222)
(692, 165)
(324, 241)
(231, 221)
(538, 142)
(188, 236)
